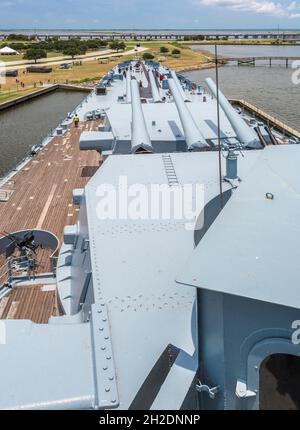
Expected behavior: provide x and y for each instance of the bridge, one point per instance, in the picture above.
(159, 35)
(240, 61)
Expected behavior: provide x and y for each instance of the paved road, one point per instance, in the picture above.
(18, 65)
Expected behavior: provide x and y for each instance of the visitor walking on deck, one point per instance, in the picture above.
(76, 120)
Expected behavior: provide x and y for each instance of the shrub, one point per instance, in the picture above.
(148, 56)
(164, 50)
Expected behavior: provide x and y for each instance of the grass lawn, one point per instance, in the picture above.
(5, 97)
(92, 71)
(187, 60)
(8, 58)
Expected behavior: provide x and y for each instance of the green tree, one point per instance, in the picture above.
(116, 45)
(35, 54)
(122, 46)
(14, 36)
(176, 52)
(148, 56)
(164, 50)
(72, 51)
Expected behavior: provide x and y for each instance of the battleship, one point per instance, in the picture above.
(102, 310)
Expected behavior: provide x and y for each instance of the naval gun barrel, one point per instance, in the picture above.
(154, 89)
(128, 87)
(193, 135)
(140, 139)
(245, 134)
(179, 86)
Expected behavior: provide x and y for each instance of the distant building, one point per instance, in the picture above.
(8, 51)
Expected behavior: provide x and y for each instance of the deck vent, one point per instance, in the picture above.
(78, 194)
(71, 234)
(231, 163)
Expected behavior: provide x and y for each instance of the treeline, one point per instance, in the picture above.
(71, 47)
(21, 37)
(194, 37)
(56, 45)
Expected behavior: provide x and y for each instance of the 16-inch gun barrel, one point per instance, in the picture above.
(245, 134)
(193, 136)
(140, 139)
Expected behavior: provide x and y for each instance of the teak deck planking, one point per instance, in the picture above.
(42, 198)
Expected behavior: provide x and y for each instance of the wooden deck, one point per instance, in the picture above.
(42, 198)
(36, 303)
(43, 188)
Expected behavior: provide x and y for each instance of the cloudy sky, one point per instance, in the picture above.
(105, 14)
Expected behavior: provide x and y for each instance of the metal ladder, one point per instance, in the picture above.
(170, 170)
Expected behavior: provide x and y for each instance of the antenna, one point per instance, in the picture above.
(219, 131)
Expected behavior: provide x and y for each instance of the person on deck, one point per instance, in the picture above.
(76, 120)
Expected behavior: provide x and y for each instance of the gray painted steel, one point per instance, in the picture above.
(245, 134)
(262, 251)
(193, 136)
(140, 135)
(155, 91)
(179, 86)
(97, 140)
(128, 87)
(221, 291)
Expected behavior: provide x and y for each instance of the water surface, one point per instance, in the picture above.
(29, 123)
(270, 88)
(251, 50)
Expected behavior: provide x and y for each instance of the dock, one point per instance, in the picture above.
(41, 198)
(269, 119)
(246, 61)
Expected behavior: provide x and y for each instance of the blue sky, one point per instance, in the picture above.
(105, 14)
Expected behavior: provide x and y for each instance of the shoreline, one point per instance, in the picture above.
(41, 92)
(231, 43)
(210, 65)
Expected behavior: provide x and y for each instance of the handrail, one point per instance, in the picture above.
(10, 266)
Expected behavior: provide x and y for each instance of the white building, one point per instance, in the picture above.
(8, 51)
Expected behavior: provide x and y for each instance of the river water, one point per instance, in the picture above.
(28, 124)
(252, 50)
(270, 88)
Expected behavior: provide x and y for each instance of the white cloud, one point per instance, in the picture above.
(256, 6)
